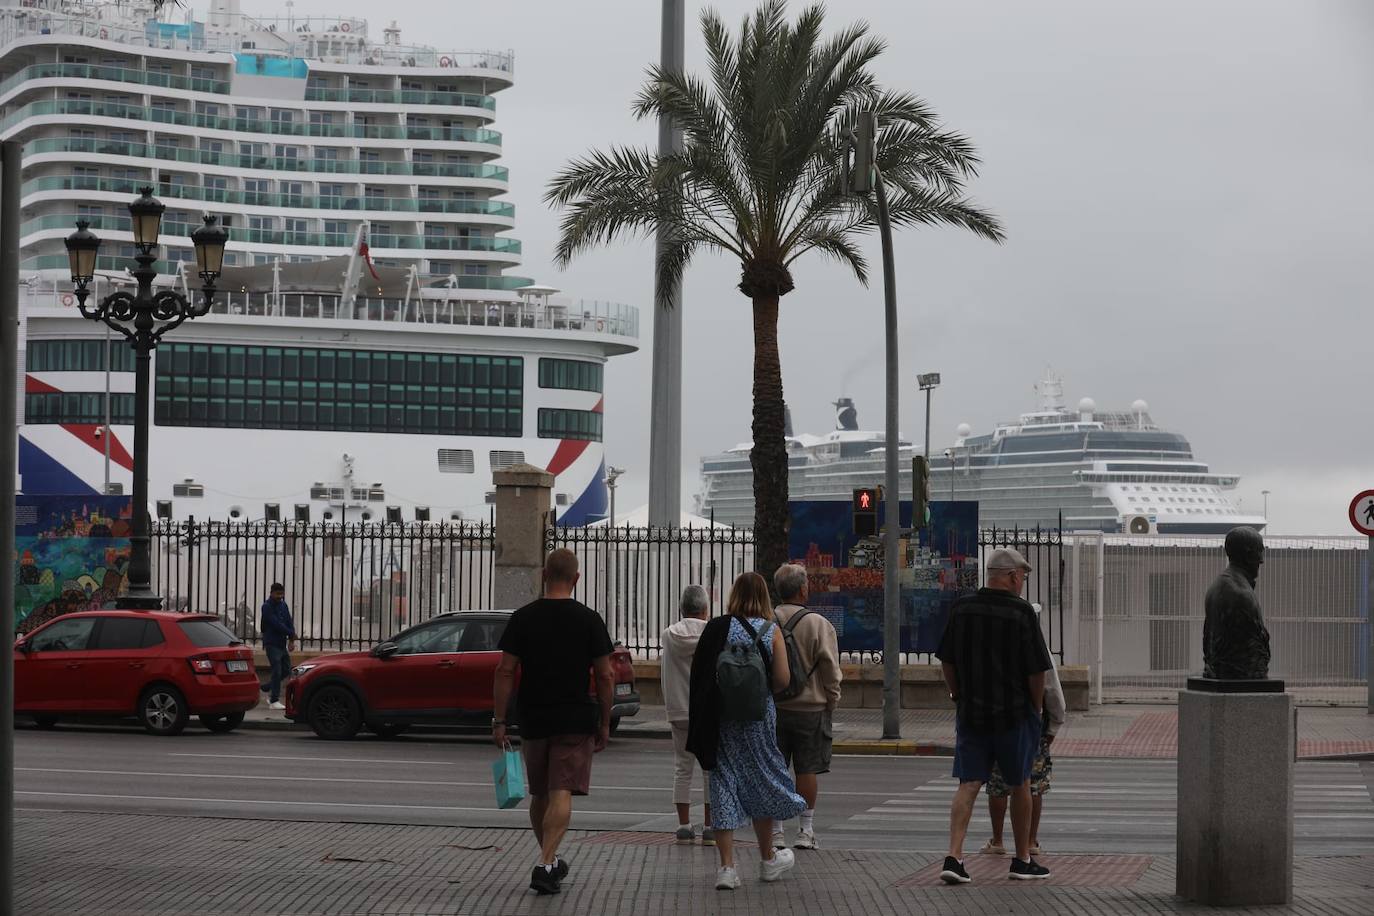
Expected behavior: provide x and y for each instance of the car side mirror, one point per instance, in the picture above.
(385, 650)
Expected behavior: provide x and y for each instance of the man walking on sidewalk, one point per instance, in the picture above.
(805, 731)
(994, 661)
(553, 642)
(278, 641)
(1041, 771)
(679, 643)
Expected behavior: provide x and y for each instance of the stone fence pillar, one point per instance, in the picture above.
(522, 512)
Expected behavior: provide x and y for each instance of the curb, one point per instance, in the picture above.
(892, 748)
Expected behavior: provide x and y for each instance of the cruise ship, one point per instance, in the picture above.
(366, 329)
(1084, 469)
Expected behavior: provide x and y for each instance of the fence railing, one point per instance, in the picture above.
(635, 576)
(348, 585)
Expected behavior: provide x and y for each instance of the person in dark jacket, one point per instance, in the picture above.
(278, 641)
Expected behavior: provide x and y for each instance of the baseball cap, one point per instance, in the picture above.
(1006, 558)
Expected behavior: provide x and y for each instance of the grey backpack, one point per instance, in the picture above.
(742, 679)
(798, 676)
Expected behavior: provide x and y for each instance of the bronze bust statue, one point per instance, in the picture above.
(1235, 642)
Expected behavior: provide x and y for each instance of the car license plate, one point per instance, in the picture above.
(622, 690)
(236, 664)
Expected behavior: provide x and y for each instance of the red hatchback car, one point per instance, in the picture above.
(438, 672)
(160, 666)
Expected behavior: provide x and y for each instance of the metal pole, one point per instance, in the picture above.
(10, 156)
(106, 491)
(1369, 620)
(927, 451)
(140, 596)
(665, 423)
(1101, 573)
(892, 623)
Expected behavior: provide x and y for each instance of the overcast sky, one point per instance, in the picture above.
(1187, 192)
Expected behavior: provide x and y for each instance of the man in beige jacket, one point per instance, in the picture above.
(804, 722)
(679, 644)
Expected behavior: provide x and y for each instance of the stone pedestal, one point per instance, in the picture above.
(522, 512)
(1236, 756)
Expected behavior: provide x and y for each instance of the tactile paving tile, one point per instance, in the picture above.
(1065, 871)
(642, 838)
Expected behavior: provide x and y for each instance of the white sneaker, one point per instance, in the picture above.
(774, 868)
(727, 879)
(806, 839)
(779, 838)
(277, 705)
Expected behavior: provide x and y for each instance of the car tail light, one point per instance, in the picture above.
(202, 665)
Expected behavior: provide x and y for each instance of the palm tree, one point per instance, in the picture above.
(762, 176)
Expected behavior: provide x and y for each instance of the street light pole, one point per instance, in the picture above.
(1265, 494)
(143, 318)
(106, 435)
(928, 382)
(612, 473)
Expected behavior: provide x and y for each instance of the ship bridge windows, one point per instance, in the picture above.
(574, 374)
(560, 423)
(335, 389)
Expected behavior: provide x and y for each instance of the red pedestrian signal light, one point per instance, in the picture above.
(866, 501)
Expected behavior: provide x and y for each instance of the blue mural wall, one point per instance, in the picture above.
(845, 573)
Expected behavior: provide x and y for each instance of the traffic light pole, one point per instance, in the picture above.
(892, 621)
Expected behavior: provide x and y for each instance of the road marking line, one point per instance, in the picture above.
(431, 763)
(523, 815)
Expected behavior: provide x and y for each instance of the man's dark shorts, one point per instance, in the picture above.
(558, 762)
(805, 739)
(1013, 751)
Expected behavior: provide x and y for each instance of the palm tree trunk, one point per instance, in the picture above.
(768, 457)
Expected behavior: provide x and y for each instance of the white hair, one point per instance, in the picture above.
(694, 602)
(789, 580)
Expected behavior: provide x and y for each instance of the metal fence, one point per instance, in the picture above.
(348, 585)
(1138, 612)
(635, 576)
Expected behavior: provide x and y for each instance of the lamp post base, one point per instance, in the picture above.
(141, 602)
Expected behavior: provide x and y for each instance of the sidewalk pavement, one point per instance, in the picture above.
(1132, 731)
(83, 863)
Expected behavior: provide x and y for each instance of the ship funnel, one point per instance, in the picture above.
(846, 417)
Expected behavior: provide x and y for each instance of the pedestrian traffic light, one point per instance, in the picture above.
(920, 492)
(866, 511)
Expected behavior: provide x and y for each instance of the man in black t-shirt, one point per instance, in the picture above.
(553, 642)
(994, 661)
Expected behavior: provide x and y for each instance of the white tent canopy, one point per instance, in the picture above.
(639, 518)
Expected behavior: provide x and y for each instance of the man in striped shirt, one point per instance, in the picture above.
(994, 661)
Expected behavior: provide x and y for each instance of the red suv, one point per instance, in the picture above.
(439, 672)
(159, 666)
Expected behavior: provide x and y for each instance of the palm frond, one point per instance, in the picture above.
(837, 241)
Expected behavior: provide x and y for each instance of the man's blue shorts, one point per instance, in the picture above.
(1013, 751)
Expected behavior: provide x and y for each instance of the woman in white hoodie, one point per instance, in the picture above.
(679, 644)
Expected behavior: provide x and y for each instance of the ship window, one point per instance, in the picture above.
(78, 356)
(559, 423)
(570, 373)
(375, 391)
(82, 407)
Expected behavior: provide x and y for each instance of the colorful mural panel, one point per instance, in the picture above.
(71, 554)
(845, 572)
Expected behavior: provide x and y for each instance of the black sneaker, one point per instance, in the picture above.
(1027, 871)
(560, 868)
(544, 880)
(954, 872)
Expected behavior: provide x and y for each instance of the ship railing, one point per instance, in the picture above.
(581, 315)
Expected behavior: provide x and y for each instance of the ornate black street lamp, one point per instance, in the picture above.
(143, 317)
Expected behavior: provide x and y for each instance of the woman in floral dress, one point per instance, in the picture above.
(749, 779)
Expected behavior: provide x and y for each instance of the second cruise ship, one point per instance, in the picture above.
(1089, 470)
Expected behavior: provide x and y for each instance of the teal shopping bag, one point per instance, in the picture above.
(508, 772)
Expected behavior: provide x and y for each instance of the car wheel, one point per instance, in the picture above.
(224, 722)
(615, 724)
(334, 713)
(45, 722)
(389, 730)
(162, 710)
